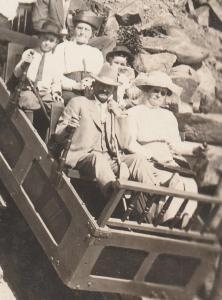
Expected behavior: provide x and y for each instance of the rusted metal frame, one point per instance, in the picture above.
(110, 207)
(147, 289)
(197, 278)
(26, 208)
(28, 133)
(80, 278)
(147, 188)
(150, 244)
(41, 155)
(148, 228)
(145, 266)
(23, 165)
(154, 243)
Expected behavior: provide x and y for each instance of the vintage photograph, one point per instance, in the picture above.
(110, 150)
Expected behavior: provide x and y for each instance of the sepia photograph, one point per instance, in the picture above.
(110, 150)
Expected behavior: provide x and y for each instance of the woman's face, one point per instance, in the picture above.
(155, 96)
(82, 33)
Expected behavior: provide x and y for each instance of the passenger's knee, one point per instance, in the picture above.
(97, 156)
(190, 185)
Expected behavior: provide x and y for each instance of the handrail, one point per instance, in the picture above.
(123, 185)
(159, 190)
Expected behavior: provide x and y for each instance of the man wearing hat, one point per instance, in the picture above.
(152, 130)
(93, 150)
(41, 71)
(76, 59)
(57, 10)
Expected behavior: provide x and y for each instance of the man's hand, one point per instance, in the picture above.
(27, 57)
(57, 98)
(74, 122)
(87, 82)
(114, 107)
(78, 86)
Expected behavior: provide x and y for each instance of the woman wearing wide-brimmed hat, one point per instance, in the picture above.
(152, 130)
(75, 58)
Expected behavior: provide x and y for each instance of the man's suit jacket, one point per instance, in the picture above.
(88, 133)
(53, 9)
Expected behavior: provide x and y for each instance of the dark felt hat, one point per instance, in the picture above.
(50, 27)
(121, 50)
(88, 17)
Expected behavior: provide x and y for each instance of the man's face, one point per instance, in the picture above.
(156, 96)
(118, 61)
(48, 42)
(82, 33)
(102, 91)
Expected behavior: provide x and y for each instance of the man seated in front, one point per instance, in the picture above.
(93, 150)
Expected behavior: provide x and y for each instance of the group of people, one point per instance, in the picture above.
(120, 117)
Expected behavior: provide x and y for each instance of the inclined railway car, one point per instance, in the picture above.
(107, 248)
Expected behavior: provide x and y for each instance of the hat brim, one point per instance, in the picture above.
(49, 32)
(174, 89)
(105, 80)
(95, 22)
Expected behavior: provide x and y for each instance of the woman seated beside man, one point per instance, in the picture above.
(152, 130)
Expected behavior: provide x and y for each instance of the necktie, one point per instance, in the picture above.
(40, 69)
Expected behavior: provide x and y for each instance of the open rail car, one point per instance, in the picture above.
(112, 249)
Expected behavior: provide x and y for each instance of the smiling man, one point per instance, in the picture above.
(92, 150)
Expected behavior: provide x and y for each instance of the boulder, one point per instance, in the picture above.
(154, 62)
(111, 27)
(185, 50)
(204, 97)
(202, 14)
(201, 127)
(208, 167)
(217, 8)
(130, 12)
(185, 77)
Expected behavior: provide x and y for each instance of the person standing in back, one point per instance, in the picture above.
(57, 10)
(76, 59)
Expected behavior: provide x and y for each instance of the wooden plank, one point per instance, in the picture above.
(135, 288)
(22, 165)
(164, 231)
(109, 208)
(145, 267)
(18, 37)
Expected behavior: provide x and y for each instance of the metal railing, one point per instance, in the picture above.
(136, 190)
